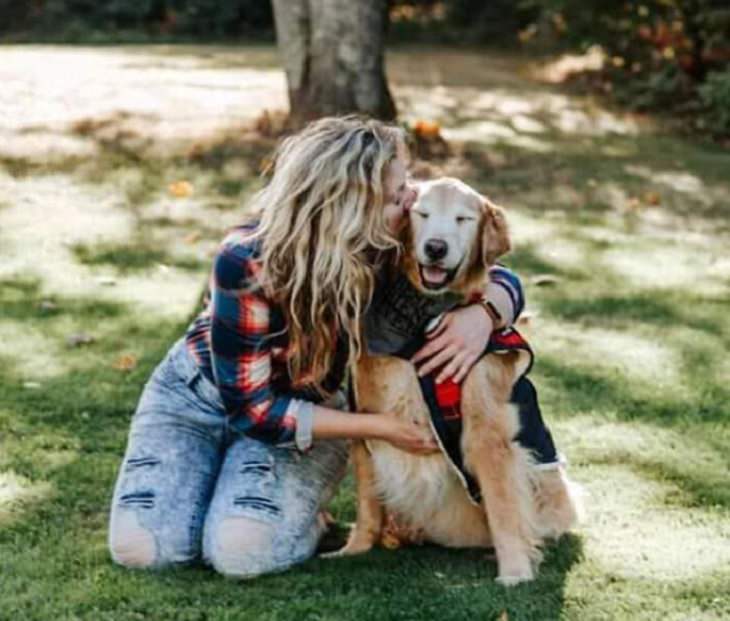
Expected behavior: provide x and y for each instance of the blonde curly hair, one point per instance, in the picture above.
(324, 236)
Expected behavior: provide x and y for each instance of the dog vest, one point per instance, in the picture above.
(444, 405)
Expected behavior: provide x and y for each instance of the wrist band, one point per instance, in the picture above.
(492, 312)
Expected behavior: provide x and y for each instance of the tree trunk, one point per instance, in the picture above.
(332, 51)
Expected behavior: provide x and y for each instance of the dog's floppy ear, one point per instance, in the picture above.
(495, 233)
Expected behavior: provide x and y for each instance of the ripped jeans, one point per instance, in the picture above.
(190, 488)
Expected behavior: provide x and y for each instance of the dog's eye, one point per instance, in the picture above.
(422, 214)
(461, 219)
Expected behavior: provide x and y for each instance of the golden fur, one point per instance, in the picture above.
(521, 504)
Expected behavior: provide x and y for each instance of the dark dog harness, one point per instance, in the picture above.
(444, 405)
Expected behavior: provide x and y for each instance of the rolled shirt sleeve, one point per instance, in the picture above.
(504, 291)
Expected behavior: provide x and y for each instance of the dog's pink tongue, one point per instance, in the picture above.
(434, 275)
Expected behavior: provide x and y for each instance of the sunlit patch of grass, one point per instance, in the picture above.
(615, 353)
(16, 493)
(30, 349)
(633, 533)
(683, 456)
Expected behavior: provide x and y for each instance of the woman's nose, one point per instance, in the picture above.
(411, 197)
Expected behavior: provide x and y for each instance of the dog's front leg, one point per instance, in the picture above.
(368, 527)
(502, 469)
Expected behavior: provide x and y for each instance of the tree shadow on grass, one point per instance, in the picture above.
(133, 256)
(589, 390)
(659, 308)
(124, 141)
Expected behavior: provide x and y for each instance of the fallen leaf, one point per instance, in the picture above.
(427, 129)
(191, 238)
(389, 541)
(652, 198)
(542, 280)
(180, 188)
(504, 616)
(125, 362)
(79, 339)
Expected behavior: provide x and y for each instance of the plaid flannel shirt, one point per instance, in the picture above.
(239, 343)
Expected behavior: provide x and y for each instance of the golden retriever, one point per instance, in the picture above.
(455, 235)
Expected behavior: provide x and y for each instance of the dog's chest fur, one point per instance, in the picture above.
(424, 491)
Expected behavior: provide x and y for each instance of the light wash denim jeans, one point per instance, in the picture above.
(191, 488)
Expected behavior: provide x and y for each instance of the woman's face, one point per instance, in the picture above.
(399, 193)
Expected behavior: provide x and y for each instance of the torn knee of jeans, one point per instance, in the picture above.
(130, 543)
(257, 503)
(256, 467)
(244, 547)
(141, 462)
(142, 499)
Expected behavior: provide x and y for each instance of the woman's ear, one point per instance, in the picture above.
(495, 233)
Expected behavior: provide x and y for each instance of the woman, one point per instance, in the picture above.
(239, 436)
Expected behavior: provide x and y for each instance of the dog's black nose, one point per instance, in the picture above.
(436, 249)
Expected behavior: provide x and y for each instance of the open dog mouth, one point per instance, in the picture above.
(435, 277)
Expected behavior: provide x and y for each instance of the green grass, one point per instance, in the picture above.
(131, 257)
(632, 342)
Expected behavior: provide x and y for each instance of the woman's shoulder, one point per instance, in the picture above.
(242, 241)
(238, 256)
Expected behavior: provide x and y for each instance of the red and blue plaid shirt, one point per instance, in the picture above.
(239, 342)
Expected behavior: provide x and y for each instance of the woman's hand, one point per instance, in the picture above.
(456, 344)
(406, 435)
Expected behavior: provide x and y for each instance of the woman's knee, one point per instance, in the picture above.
(130, 544)
(135, 545)
(242, 547)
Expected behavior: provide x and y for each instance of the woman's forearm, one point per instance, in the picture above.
(403, 434)
(329, 423)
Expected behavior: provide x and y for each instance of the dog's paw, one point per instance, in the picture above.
(515, 571)
(351, 549)
(509, 580)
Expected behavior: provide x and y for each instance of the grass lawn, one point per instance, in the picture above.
(621, 237)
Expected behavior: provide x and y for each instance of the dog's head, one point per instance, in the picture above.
(455, 235)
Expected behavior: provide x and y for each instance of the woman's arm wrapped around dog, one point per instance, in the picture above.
(407, 435)
(462, 336)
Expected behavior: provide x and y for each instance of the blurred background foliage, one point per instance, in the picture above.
(671, 56)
